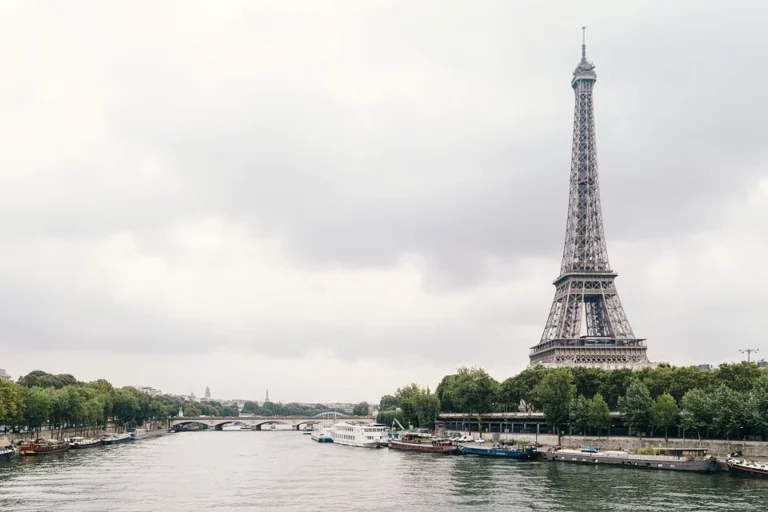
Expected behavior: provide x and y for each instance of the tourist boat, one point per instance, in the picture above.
(497, 450)
(322, 434)
(78, 443)
(115, 438)
(747, 467)
(43, 447)
(423, 443)
(675, 459)
(367, 435)
(138, 434)
(234, 427)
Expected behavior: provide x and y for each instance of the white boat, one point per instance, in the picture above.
(367, 435)
(322, 433)
(233, 427)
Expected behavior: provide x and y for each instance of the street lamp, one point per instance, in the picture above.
(749, 352)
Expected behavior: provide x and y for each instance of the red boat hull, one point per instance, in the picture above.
(39, 449)
(423, 447)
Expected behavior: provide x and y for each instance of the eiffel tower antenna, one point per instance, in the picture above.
(585, 292)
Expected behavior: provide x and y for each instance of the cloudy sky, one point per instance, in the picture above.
(332, 199)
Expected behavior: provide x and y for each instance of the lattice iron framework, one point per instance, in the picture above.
(585, 291)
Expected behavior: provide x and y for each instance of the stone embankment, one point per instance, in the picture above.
(716, 447)
(73, 432)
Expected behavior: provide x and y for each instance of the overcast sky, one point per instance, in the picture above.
(333, 199)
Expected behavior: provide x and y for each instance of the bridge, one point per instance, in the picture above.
(257, 422)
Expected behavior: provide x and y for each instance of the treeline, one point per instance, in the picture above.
(40, 399)
(730, 400)
(289, 409)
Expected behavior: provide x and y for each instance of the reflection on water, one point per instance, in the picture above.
(287, 471)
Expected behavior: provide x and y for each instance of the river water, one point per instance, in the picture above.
(241, 471)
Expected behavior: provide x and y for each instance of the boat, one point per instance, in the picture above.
(6, 451)
(675, 459)
(78, 443)
(138, 434)
(115, 438)
(366, 435)
(234, 427)
(497, 450)
(747, 467)
(322, 434)
(43, 447)
(419, 442)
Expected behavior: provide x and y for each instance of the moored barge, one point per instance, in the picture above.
(6, 452)
(43, 447)
(80, 443)
(675, 459)
(420, 443)
(519, 453)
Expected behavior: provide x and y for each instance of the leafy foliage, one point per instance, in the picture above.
(555, 392)
(636, 404)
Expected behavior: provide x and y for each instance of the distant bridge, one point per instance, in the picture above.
(256, 422)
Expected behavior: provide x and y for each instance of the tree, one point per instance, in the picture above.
(472, 390)
(579, 414)
(361, 409)
(757, 404)
(636, 404)
(727, 411)
(38, 408)
(587, 380)
(665, 413)
(388, 402)
(599, 413)
(555, 392)
(441, 391)
(250, 407)
(696, 410)
(739, 377)
(419, 406)
(517, 392)
(614, 385)
(12, 403)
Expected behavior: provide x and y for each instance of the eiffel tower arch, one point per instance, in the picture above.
(587, 325)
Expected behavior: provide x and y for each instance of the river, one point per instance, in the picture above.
(226, 471)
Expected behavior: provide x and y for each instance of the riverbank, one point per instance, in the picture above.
(717, 447)
(20, 438)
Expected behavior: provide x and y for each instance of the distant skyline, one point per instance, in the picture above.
(334, 199)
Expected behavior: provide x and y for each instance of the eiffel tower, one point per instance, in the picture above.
(585, 291)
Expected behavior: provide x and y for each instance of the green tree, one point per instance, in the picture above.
(191, 409)
(12, 403)
(739, 377)
(665, 413)
(441, 391)
(579, 414)
(472, 390)
(757, 404)
(614, 385)
(517, 392)
(599, 413)
(555, 392)
(728, 410)
(250, 407)
(388, 402)
(636, 404)
(38, 402)
(697, 410)
(587, 380)
(361, 409)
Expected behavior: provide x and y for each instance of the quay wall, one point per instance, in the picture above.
(716, 447)
(16, 439)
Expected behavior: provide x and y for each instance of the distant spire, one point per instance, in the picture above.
(267, 398)
(585, 70)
